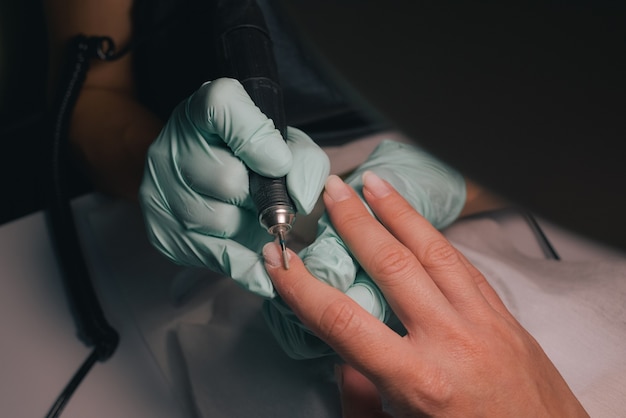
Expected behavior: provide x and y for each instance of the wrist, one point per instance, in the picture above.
(112, 150)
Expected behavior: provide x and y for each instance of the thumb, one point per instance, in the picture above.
(359, 396)
(328, 259)
(309, 171)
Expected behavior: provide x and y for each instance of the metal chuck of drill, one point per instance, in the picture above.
(244, 49)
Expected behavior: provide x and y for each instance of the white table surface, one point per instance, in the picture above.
(39, 350)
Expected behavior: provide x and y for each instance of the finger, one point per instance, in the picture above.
(223, 107)
(215, 172)
(328, 259)
(192, 162)
(194, 211)
(411, 293)
(354, 334)
(297, 341)
(191, 248)
(310, 168)
(359, 396)
(439, 258)
(369, 297)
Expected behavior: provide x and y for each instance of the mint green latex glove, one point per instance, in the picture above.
(434, 189)
(195, 193)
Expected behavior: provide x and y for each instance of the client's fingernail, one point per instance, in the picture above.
(337, 189)
(272, 255)
(375, 185)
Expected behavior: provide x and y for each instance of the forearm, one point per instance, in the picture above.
(111, 132)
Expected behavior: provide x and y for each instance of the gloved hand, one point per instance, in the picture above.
(434, 189)
(194, 193)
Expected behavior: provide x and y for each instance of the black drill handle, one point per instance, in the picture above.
(244, 50)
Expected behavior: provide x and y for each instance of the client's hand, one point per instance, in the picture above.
(194, 193)
(463, 354)
(433, 188)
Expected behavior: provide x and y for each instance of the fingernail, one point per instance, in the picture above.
(272, 255)
(336, 189)
(375, 185)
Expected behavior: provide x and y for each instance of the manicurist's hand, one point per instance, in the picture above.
(463, 353)
(195, 193)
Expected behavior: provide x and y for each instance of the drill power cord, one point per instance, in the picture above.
(92, 327)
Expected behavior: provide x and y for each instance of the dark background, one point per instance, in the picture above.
(527, 98)
(23, 67)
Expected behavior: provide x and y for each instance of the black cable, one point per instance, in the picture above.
(542, 239)
(73, 384)
(540, 236)
(92, 327)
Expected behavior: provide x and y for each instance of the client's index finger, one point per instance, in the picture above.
(356, 335)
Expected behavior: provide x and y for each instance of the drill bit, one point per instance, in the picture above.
(278, 222)
(283, 247)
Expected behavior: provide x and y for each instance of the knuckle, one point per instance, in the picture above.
(405, 214)
(219, 89)
(349, 220)
(216, 220)
(436, 387)
(339, 318)
(391, 262)
(438, 254)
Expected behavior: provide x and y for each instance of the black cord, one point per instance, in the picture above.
(540, 236)
(92, 327)
(73, 384)
(542, 239)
